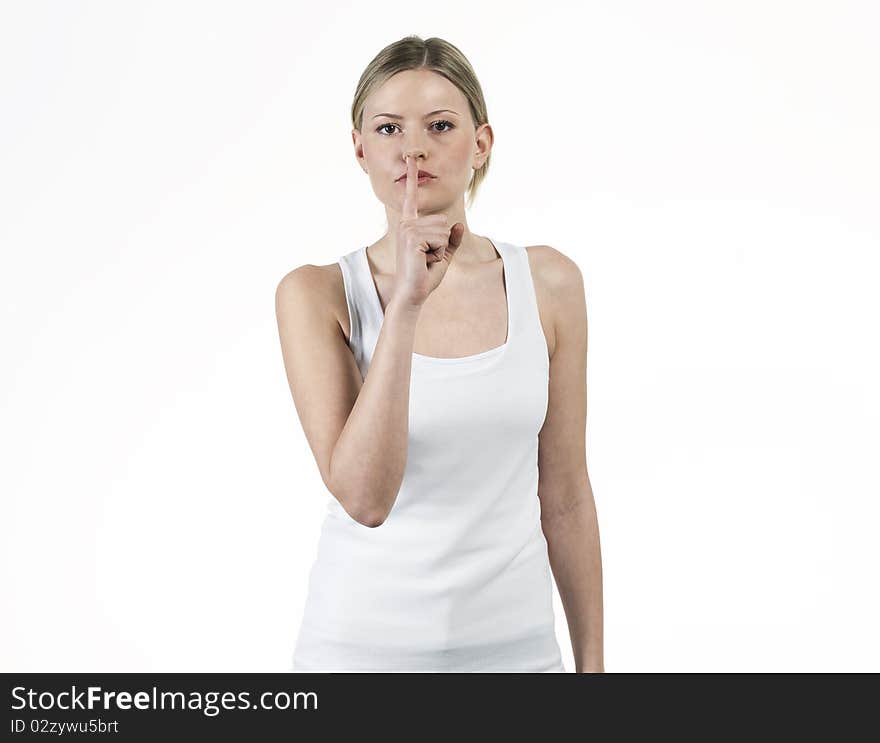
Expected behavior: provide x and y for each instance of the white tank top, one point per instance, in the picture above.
(457, 577)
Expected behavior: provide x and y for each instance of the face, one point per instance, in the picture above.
(419, 112)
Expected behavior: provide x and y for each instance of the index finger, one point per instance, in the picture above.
(411, 194)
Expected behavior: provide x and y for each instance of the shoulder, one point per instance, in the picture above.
(313, 289)
(554, 270)
(559, 287)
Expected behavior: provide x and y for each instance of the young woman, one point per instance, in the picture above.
(440, 378)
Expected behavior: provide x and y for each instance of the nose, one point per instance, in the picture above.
(415, 152)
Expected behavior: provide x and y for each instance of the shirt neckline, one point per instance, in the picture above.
(497, 351)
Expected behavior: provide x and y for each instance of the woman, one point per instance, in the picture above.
(437, 375)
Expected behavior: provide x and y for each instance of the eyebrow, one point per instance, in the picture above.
(438, 111)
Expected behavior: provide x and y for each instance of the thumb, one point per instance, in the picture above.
(455, 236)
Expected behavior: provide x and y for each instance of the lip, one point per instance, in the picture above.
(422, 181)
(424, 175)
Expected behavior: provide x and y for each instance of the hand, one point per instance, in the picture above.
(425, 245)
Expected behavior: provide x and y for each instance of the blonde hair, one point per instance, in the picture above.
(415, 53)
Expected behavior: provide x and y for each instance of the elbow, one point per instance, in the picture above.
(365, 512)
(365, 516)
(362, 513)
(361, 502)
(371, 522)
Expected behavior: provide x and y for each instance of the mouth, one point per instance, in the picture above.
(424, 175)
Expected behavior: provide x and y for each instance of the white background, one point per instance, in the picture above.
(711, 167)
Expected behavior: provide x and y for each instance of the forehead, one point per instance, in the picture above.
(414, 92)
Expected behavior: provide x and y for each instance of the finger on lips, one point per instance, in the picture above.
(411, 194)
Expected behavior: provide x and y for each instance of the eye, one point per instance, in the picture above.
(449, 125)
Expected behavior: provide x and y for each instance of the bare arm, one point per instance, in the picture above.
(568, 509)
(357, 430)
